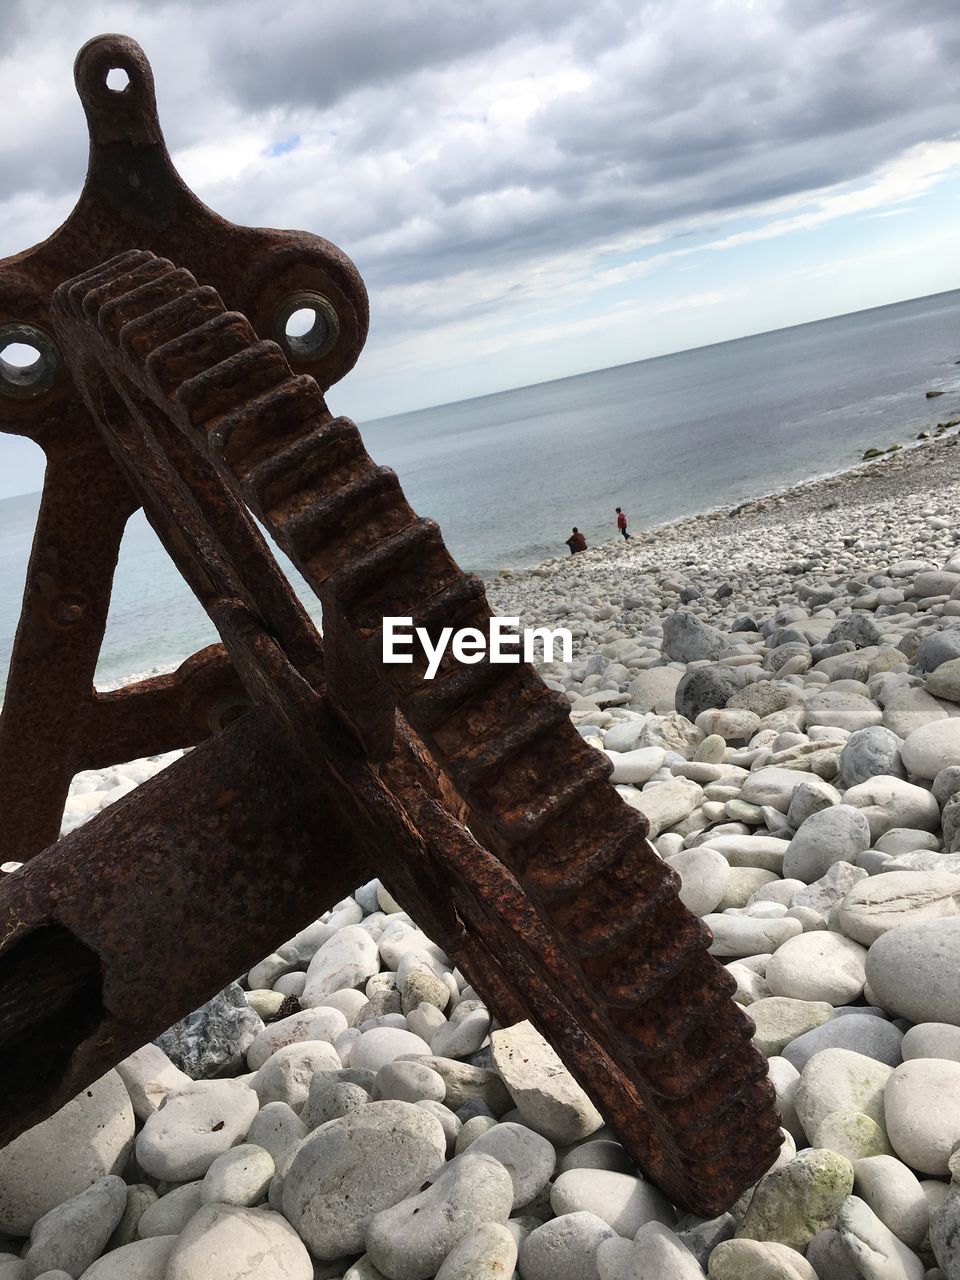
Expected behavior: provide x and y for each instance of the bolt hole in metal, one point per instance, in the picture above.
(306, 326)
(29, 361)
(116, 80)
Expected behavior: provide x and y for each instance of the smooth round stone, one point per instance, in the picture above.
(598, 1153)
(798, 1199)
(895, 1195)
(149, 1076)
(837, 834)
(74, 1234)
(902, 840)
(807, 800)
(181, 1141)
(349, 1001)
(564, 1248)
(285, 1077)
(751, 850)
(870, 1036)
(775, 786)
(873, 1249)
(409, 1082)
(240, 1176)
(82, 1142)
(736, 936)
(409, 1240)
(473, 1128)
(932, 1040)
(546, 1094)
(847, 711)
(464, 1032)
(382, 1045)
(894, 899)
(139, 1198)
(622, 1201)
(636, 767)
(310, 1024)
(785, 1078)
(732, 724)
(910, 710)
(890, 802)
(347, 959)
(818, 966)
(913, 971)
(277, 1128)
(144, 1259)
(466, 1083)
(831, 888)
(932, 747)
(485, 1253)
(711, 750)
(225, 1241)
(171, 1213)
(852, 1135)
(751, 1260)
(528, 1157)
(839, 1080)
(703, 878)
(656, 1251)
(263, 1001)
(779, 1020)
(869, 752)
(353, 1167)
(922, 1107)
(782, 891)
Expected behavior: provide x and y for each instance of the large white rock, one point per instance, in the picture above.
(912, 971)
(545, 1093)
(922, 1105)
(181, 1141)
(839, 1080)
(818, 966)
(873, 1249)
(889, 802)
(637, 766)
(704, 874)
(320, 1023)
(528, 1157)
(382, 1045)
(240, 1176)
(779, 1020)
(931, 748)
(932, 1040)
(286, 1074)
(171, 1213)
(73, 1235)
(841, 710)
(564, 1248)
(227, 1242)
(664, 804)
(837, 834)
(88, 1138)
(485, 1253)
(347, 959)
(895, 1195)
(353, 1167)
(893, 899)
(775, 786)
(735, 936)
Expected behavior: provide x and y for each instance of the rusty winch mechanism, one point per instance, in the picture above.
(166, 379)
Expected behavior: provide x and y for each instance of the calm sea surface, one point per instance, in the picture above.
(507, 475)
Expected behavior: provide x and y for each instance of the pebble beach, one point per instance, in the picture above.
(777, 688)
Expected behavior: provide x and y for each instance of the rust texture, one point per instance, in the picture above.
(170, 383)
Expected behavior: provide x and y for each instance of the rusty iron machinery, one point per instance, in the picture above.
(166, 379)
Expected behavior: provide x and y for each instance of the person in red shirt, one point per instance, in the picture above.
(622, 522)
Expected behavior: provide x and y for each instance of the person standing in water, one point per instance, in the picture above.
(576, 542)
(622, 522)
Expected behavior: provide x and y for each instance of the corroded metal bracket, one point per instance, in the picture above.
(167, 380)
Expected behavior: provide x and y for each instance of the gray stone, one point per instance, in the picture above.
(911, 709)
(73, 1235)
(277, 1128)
(149, 1076)
(702, 1235)
(309, 1024)
(465, 1083)
(932, 1040)
(228, 1242)
(837, 834)
(945, 1225)
(82, 1142)
(808, 799)
(756, 1260)
(213, 1041)
(139, 1198)
(871, 1036)
(564, 1248)
(818, 966)
(240, 1176)
(528, 1157)
(874, 1249)
(912, 971)
(936, 649)
(623, 1201)
(859, 628)
(780, 1020)
(352, 1168)
(839, 1080)
(704, 688)
(932, 748)
(869, 752)
(409, 1240)
(832, 887)
(286, 1074)
(704, 873)
(922, 1109)
(841, 710)
(795, 1201)
(347, 959)
(895, 1195)
(171, 1213)
(687, 639)
(890, 802)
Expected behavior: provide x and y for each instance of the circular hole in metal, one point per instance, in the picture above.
(29, 361)
(306, 326)
(116, 80)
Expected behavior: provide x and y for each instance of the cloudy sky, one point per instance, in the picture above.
(533, 188)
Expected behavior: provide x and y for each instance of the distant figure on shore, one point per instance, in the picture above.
(576, 542)
(622, 522)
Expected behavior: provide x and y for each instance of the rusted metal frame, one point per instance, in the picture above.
(728, 1112)
(195, 875)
